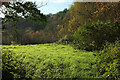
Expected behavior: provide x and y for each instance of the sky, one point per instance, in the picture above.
(53, 6)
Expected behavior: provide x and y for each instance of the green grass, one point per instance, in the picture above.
(52, 61)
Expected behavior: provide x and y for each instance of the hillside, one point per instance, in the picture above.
(25, 30)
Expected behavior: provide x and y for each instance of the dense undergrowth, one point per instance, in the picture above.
(47, 61)
(93, 36)
(108, 61)
(59, 61)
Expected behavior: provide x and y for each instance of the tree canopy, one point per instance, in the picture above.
(27, 10)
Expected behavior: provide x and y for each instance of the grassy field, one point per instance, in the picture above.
(49, 61)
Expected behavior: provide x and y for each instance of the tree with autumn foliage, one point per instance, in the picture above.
(107, 11)
(88, 12)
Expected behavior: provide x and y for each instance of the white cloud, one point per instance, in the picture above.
(2, 8)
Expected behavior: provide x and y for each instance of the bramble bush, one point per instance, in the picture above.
(93, 36)
(108, 62)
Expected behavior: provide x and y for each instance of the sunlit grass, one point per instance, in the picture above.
(54, 61)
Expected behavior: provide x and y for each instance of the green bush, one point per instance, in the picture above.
(11, 67)
(108, 62)
(6, 65)
(93, 36)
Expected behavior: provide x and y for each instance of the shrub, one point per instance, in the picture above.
(108, 62)
(11, 67)
(93, 36)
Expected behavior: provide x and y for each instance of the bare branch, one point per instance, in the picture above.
(41, 5)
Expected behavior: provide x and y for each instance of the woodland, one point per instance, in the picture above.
(80, 42)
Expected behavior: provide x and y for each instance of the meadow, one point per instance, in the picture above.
(47, 61)
(93, 33)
